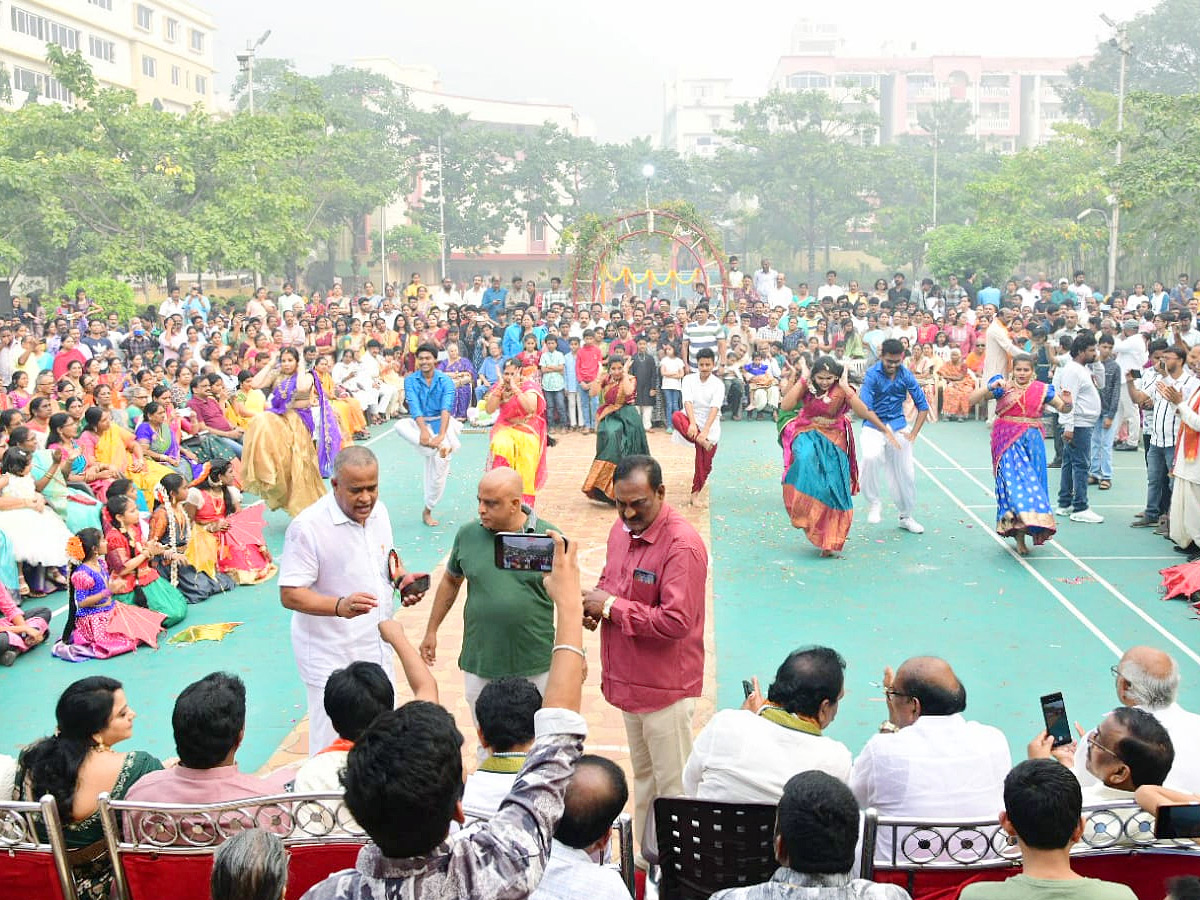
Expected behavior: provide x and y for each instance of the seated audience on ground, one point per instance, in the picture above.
(504, 711)
(1148, 679)
(1042, 810)
(251, 865)
(930, 762)
(403, 785)
(747, 755)
(209, 723)
(596, 794)
(816, 832)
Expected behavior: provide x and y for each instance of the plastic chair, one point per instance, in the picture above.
(705, 846)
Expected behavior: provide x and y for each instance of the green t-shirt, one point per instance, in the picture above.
(508, 620)
(1022, 887)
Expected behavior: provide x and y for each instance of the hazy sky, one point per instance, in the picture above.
(610, 59)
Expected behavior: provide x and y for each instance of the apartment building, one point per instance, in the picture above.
(160, 49)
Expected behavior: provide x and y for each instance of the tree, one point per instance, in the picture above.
(954, 249)
(410, 243)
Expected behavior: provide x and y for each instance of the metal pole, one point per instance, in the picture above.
(250, 80)
(442, 207)
(935, 174)
(1114, 229)
(383, 243)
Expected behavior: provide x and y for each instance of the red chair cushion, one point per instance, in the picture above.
(33, 871)
(152, 876)
(309, 865)
(942, 884)
(1146, 874)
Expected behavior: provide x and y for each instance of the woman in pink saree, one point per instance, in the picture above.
(518, 438)
(1019, 454)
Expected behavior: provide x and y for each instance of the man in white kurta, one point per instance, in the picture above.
(334, 577)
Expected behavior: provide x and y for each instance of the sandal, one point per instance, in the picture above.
(1105, 484)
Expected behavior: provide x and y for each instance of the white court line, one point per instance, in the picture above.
(1101, 580)
(1041, 579)
(62, 609)
(1067, 559)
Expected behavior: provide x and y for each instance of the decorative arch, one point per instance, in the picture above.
(690, 241)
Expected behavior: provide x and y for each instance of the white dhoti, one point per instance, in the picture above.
(879, 459)
(437, 466)
(1128, 415)
(1185, 513)
(761, 398)
(388, 395)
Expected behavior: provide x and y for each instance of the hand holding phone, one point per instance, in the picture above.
(523, 552)
(1054, 713)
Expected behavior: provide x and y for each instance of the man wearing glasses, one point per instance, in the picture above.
(926, 746)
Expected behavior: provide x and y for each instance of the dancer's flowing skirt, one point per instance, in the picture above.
(1022, 497)
(817, 490)
(619, 434)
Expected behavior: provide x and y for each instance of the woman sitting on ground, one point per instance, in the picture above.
(77, 763)
(171, 526)
(106, 443)
(37, 535)
(227, 539)
(73, 502)
(159, 437)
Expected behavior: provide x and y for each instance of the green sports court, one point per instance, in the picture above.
(1013, 629)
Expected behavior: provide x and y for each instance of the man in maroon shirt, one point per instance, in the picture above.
(649, 604)
(209, 412)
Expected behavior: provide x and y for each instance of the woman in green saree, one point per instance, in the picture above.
(619, 429)
(76, 764)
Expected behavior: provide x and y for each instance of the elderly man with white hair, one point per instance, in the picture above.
(1148, 679)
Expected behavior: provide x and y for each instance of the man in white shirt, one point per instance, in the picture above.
(999, 349)
(830, 288)
(779, 294)
(699, 422)
(291, 332)
(1027, 294)
(1076, 424)
(348, 374)
(172, 306)
(933, 763)
(596, 794)
(1162, 422)
(901, 327)
(334, 577)
(1148, 679)
(1129, 350)
(290, 300)
(446, 296)
(1080, 288)
(764, 278)
(10, 351)
(371, 367)
(473, 296)
(504, 715)
(747, 755)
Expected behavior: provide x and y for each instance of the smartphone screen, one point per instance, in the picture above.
(521, 552)
(1182, 821)
(1058, 726)
(747, 687)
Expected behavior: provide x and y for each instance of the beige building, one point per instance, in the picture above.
(161, 49)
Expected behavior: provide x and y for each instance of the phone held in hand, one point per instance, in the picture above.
(519, 551)
(1177, 821)
(1054, 712)
(418, 585)
(747, 687)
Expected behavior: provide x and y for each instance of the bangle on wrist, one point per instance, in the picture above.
(582, 652)
(337, 607)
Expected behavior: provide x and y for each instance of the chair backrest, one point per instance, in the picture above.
(937, 857)
(166, 849)
(39, 868)
(705, 846)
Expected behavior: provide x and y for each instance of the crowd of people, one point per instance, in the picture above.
(127, 446)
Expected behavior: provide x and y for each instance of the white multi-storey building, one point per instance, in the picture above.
(160, 49)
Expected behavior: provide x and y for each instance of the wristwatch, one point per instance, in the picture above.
(606, 612)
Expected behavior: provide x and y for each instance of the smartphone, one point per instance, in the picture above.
(521, 552)
(1054, 711)
(418, 586)
(747, 687)
(1177, 821)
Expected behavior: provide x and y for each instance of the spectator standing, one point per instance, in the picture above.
(1076, 423)
(571, 384)
(1152, 391)
(816, 831)
(587, 368)
(703, 332)
(1100, 471)
(494, 298)
(650, 605)
(747, 755)
(508, 618)
(553, 365)
(764, 278)
(644, 368)
(670, 371)
(1043, 810)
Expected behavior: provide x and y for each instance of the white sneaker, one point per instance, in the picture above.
(1063, 511)
(1087, 515)
(875, 513)
(908, 523)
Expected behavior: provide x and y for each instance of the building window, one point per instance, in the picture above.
(201, 85)
(700, 91)
(43, 85)
(103, 4)
(197, 41)
(714, 122)
(145, 17)
(149, 67)
(807, 81)
(175, 76)
(857, 81)
(171, 27)
(538, 231)
(98, 48)
(44, 29)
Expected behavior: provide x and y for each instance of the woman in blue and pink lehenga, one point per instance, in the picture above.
(1019, 453)
(286, 455)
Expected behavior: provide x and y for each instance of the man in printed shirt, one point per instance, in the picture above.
(649, 604)
(404, 784)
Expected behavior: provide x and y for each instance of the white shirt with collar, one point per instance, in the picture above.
(573, 875)
(1184, 729)
(333, 555)
(940, 767)
(740, 757)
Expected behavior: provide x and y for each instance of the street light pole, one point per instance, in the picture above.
(442, 208)
(246, 61)
(1121, 42)
(935, 172)
(648, 173)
